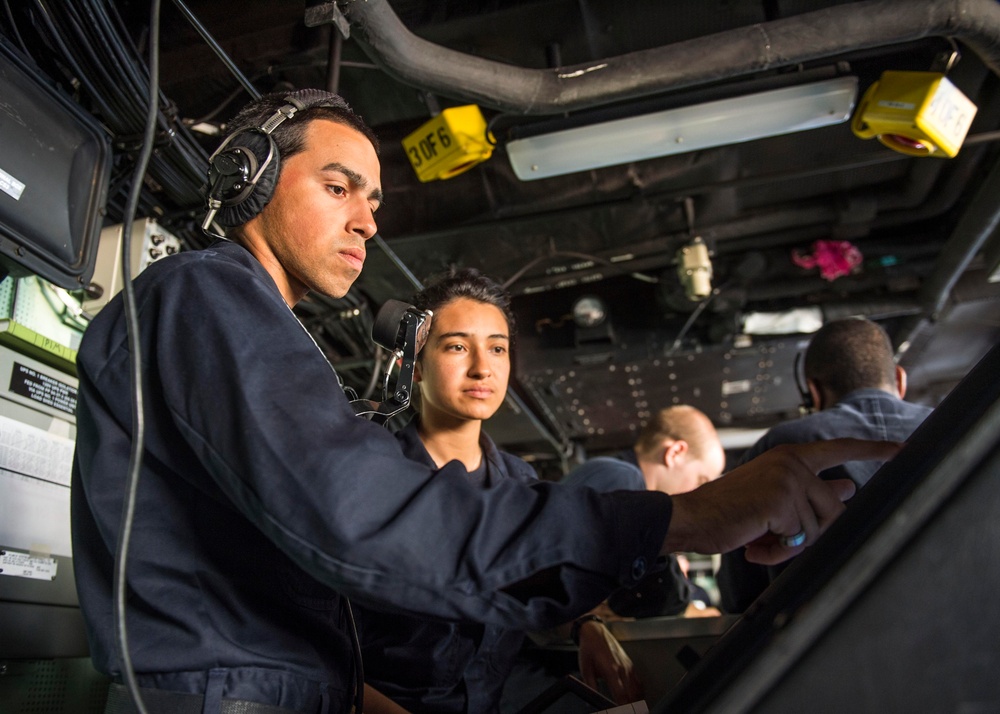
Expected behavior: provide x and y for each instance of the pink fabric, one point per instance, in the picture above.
(834, 258)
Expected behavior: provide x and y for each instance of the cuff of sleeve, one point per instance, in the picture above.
(642, 519)
(574, 631)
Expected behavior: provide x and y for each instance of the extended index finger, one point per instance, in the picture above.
(821, 455)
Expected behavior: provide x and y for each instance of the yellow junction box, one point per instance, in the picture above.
(452, 142)
(915, 113)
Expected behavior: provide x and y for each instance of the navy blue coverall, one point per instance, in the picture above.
(442, 666)
(262, 497)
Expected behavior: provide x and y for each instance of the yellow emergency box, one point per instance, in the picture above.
(452, 142)
(915, 113)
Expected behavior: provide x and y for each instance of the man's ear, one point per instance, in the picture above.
(675, 452)
(816, 393)
(900, 381)
(416, 372)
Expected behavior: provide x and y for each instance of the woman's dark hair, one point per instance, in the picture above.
(466, 283)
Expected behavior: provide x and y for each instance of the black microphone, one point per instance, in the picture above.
(402, 329)
(389, 329)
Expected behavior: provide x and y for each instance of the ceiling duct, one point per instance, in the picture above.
(802, 38)
(980, 221)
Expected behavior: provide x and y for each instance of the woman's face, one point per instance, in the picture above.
(464, 367)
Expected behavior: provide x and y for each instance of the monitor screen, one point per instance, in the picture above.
(55, 163)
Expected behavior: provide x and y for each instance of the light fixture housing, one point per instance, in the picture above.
(676, 131)
(589, 311)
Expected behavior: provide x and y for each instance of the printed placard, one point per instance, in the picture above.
(26, 565)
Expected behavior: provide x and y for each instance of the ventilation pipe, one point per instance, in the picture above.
(802, 38)
(829, 32)
(979, 221)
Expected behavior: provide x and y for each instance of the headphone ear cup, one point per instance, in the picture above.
(802, 384)
(252, 148)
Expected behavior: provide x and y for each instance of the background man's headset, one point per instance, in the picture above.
(808, 404)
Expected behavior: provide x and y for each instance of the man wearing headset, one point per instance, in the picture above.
(853, 388)
(263, 499)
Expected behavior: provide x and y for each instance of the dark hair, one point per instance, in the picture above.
(850, 354)
(290, 135)
(466, 283)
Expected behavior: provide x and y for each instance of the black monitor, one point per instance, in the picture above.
(55, 164)
(895, 607)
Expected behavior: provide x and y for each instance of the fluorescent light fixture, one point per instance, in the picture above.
(801, 320)
(676, 131)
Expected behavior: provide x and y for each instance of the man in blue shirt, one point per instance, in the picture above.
(857, 390)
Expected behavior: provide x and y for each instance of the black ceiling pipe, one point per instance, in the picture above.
(979, 221)
(977, 224)
(829, 32)
(802, 38)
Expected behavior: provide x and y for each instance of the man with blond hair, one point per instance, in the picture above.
(677, 451)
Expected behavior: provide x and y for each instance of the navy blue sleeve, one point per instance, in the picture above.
(259, 407)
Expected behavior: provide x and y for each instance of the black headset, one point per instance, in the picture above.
(808, 403)
(243, 171)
